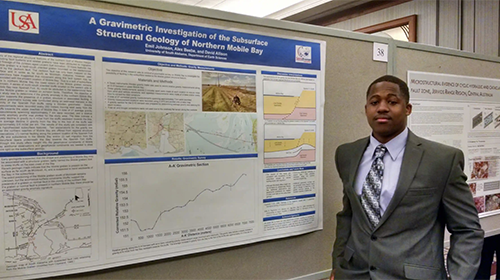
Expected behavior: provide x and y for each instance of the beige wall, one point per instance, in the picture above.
(468, 25)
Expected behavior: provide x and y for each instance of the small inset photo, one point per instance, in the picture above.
(492, 202)
(479, 202)
(472, 187)
(480, 170)
(227, 92)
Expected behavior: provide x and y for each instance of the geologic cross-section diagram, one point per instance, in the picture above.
(289, 100)
(289, 143)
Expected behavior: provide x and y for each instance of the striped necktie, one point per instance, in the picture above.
(370, 195)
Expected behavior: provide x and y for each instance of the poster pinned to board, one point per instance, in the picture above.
(464, 112)
(126, 139)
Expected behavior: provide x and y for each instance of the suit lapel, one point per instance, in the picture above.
(356, 155)
(411, 161)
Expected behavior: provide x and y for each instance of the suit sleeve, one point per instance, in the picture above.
(343, 217)
(466, 240)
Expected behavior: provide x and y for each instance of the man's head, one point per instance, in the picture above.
(387, 107)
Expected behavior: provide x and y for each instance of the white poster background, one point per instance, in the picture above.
(463, 112)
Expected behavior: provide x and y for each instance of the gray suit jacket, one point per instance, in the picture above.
(408, 242)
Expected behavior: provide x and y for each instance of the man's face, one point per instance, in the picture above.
(386, 111)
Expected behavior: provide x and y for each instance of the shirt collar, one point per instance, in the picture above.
(394, 146)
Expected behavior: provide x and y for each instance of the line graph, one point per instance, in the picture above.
(165, 200)
(188, 202)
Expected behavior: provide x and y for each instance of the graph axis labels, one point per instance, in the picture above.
(187, 203)
(206, 190)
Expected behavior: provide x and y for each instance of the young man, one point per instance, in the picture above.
(400, 192)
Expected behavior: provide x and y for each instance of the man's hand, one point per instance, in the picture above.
(332, 276)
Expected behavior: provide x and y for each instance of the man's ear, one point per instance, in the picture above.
(408, 109)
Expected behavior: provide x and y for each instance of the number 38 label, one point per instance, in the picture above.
(380, 52)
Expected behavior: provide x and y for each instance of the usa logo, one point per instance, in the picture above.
(22, 21)
(303, 54)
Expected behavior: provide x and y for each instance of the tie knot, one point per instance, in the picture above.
(380, 151)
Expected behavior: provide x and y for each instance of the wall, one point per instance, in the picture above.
(426, 20)
(468, 25)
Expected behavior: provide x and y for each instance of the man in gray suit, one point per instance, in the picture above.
(398, 202)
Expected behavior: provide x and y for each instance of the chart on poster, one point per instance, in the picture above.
(166, 206)
(289, 100)
(127, 139)
(290, 143)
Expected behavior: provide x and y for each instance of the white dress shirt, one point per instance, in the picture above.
(392, 167)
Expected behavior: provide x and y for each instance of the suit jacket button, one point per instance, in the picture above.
(373, 268)
(373, 238)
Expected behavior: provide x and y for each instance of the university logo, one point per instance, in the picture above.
(303, 54)
(22, 21)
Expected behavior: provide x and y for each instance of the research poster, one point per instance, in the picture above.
(463, 112)
(127, 139)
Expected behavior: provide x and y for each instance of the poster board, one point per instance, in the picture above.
(129, 139)
(482, 74)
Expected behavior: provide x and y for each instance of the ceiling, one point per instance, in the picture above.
(275, 9)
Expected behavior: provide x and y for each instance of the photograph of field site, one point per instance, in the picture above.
(227, 92)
